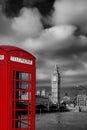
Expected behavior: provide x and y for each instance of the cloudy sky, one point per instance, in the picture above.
(55, 31)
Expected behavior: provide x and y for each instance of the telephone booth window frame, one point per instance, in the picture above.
(19, 120)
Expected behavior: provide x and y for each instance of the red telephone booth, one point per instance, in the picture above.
(17, 89)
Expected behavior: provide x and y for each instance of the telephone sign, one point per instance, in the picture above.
(20, 60)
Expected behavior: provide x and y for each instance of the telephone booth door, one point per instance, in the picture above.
(22, 100)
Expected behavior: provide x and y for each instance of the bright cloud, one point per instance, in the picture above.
(52, 37)
(28, 23)
(70, 12)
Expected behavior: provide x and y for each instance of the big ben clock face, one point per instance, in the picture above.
(54, 78)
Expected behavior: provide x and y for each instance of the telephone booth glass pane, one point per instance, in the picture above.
(22, 105)
(22, 85)
(21, 76)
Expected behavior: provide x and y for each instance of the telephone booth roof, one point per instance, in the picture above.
(9, 48)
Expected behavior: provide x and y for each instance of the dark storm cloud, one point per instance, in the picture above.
(44, 6)
(13, 7)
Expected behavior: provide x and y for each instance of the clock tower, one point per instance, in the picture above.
(55, 86)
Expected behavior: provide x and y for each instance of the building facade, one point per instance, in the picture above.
(82, 100)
